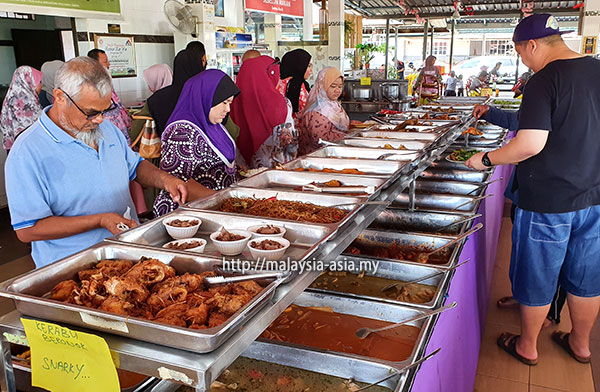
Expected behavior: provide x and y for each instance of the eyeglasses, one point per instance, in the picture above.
(94, 113)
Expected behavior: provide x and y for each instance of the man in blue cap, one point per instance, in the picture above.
(556, 232)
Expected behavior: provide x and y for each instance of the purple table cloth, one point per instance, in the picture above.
(458, 331)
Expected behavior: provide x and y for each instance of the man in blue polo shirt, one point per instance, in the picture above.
(556, 231)
(67, 176)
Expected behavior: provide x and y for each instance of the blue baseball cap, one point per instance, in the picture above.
(536, 26)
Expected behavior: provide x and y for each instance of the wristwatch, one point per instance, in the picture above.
(485, 159)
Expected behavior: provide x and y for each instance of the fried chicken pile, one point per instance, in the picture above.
(151, 290)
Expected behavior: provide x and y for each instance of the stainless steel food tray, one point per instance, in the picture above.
(436, 173)
(365, 153)
(400, 272)
(396, 219)
(450, 203)
(304, 237)
(215, 201)
(379, 143)
(288, 180)
(373, 310)
(386, 135)
(383, 169)
(378, 238)
(30, 294)
(450, 187)
(430, 127)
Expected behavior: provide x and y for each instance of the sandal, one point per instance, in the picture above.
(562, 339)
(507, 303)
(508, 342)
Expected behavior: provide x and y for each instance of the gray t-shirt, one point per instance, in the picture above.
(451, 83)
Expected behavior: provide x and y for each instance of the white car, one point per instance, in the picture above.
(472, 66)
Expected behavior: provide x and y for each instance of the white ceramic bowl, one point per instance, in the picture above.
(180, 233)
(276, 254)
(231, 248)
(198, 249)
(253, 229)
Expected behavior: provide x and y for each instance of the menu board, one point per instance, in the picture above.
(120, 51)
(284, 7)
(112, 6)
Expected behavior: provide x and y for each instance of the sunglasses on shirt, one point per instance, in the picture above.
(92, 113)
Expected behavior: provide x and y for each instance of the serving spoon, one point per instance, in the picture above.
(424, 257)
(422, 278)
(362, 333)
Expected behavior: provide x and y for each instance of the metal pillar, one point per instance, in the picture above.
(396, 46)
(451, 45)
(425, 34)
(387, 46)
(431, 45)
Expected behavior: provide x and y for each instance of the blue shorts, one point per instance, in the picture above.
(548, 249)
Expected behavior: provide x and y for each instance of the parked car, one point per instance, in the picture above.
(472, 66)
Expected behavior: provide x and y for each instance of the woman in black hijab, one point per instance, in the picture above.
(188, 62)
(296, 67)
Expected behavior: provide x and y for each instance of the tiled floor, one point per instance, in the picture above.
(556, 371)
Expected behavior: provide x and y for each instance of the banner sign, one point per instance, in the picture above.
(112, 6)
(284, 7)
(120, 52)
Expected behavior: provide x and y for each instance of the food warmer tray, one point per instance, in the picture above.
(435, 173)
(365, 153)
(304, 237)
(384, 169)
(288, 180)
(383, 239)
(442, 202)
(396, 219)
(399, 272)
(30, 293)
(450, 187)
(386, 135)
(368, 309)
(380, 144)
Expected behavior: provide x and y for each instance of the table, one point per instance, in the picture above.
(459, 332)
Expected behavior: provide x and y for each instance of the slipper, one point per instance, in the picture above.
(507, 303)
(508, 342)
(562, 339)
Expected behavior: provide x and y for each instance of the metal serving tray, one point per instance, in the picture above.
(449, 203)
(385, 135)
(399, 272)
(435, 173)
(29, 292)
(304, 237)
(215, 201)
(376, 238)
(373, 310)
(377, 168)
(379, 143)
(396, 219)
(289, 180)
(411, 128)
(449, 187)
(365, 153)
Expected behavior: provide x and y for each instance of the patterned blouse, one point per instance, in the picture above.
(315, 126)
(188, 154)
(281, 147)
(282, 88)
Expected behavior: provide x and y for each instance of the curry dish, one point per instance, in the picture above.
(397, 252)
(151, 290)
(283, 209)
(327, 170)
(370, 286)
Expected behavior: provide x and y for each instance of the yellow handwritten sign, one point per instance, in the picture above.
(365, 81)
(486, 92)
(67, 360)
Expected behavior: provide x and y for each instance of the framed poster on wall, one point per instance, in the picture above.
(120, 51)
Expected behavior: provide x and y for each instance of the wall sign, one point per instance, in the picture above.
(66, 360)
(112, 6)
(589, 45)
(284, 7)
(120, 51)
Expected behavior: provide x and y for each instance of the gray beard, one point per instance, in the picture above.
(88, 137)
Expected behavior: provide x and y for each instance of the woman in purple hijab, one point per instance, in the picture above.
(195, 146)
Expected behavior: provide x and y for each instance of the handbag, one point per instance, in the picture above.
(148, 139)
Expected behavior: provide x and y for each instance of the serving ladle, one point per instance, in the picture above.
(424, 257)
(422, 278)
(362, 333)
(463, 220)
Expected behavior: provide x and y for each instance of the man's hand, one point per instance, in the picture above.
(178, 189)
(480, 110)
(475, 162)
(110, 221)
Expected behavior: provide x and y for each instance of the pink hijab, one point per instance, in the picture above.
(319, 102)
(158, 76)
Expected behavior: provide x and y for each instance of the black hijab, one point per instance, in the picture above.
(187, 63)
(294, 64)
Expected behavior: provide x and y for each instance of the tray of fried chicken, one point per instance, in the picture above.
(158, 296)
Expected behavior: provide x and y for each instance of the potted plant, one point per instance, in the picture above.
(366, 53)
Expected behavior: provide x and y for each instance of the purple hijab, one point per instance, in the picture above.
(199, 95)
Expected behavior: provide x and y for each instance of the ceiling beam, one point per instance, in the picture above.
(493, 14)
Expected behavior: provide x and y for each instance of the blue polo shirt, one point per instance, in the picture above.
(50, 173)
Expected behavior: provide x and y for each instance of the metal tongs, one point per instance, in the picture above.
(339, 189)
(221, 280)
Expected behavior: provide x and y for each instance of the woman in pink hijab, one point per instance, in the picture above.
(21, 106)
(158, 76)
